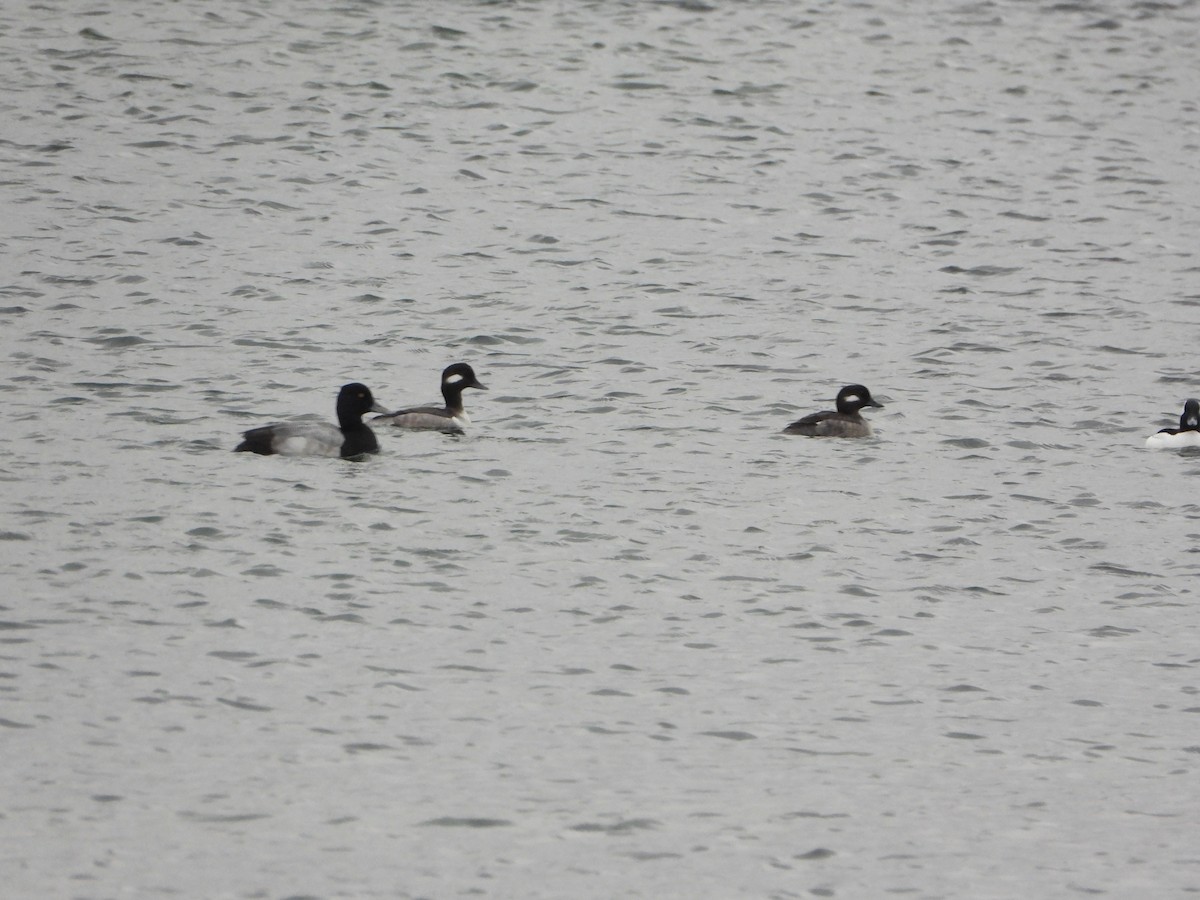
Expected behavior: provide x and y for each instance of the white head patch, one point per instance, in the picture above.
(454, 379)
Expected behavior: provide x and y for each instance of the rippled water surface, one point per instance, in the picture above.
(622, 639)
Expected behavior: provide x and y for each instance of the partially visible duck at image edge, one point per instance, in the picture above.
(1186, 435)
(349, 438)
(451, 417)
(846, 422)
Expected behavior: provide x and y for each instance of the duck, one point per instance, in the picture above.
(456, 378)
(1186, 435)
(350, 438)
(847, 422)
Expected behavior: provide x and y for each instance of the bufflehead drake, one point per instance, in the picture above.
(452, 417)
(846, 422)
(350, 437)
(1186, 435)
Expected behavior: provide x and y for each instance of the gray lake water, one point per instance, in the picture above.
(622, 639)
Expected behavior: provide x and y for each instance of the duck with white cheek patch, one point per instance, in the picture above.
(845, 422)
(1186, 435)
(451, 417)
